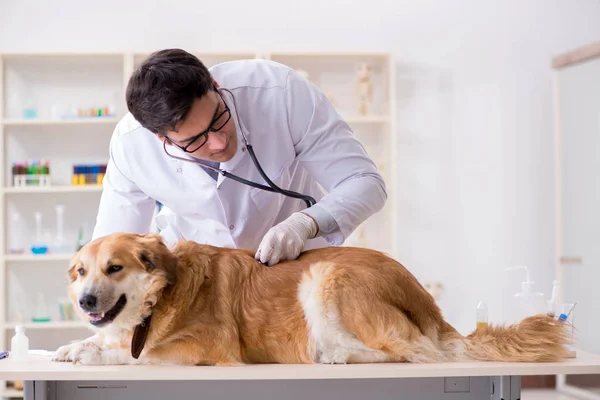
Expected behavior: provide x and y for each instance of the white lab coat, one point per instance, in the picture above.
(300, 141)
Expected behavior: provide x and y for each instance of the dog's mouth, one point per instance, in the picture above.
(101, 319)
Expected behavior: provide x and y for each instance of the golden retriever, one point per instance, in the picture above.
(197, 304)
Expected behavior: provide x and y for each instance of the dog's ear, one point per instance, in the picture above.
(71, 273)
(145, 257)
(155, 256)
(72, 270)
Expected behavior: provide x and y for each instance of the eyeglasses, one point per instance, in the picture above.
(200, 139)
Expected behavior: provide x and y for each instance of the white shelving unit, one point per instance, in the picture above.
(53, 83)
(42, 122)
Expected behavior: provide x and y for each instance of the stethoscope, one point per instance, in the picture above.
(310, 201)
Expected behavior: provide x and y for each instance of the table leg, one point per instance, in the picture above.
(39, 390)
(506, 387)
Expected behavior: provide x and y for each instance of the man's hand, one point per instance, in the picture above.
(286, 240)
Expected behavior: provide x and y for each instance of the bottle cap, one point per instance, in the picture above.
(19, 329)
(482, 312)
(563, 317)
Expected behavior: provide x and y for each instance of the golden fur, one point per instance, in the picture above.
(218, 306)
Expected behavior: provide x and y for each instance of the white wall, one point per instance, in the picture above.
(475, 106)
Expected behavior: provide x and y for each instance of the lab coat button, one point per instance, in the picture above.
(243, 149)
(231, 227)
(179, 170)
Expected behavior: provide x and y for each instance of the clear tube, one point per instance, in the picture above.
(482, 315)
(552, 303)
(17, 237)
(39, 247)
(60, 244)
(38, 226)
(60, 221)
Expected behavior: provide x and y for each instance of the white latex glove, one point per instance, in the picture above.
(286, 240)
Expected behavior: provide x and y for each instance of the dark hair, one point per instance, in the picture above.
(162, 90)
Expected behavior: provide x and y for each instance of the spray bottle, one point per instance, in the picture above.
(527, 302)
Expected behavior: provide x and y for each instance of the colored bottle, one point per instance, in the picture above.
(45, 172)
(81, 174)
(15, 172)
(101, 174)
(75, 176)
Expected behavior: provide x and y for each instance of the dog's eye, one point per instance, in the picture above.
(81, 271)
(114, 268)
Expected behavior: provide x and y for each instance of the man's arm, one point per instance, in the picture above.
(325, 145)
(123, 206)
(328, 149)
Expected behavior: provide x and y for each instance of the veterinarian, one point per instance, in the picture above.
(182, 115)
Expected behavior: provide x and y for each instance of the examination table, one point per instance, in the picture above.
(47, 380)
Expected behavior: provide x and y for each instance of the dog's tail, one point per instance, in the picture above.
(538, 338)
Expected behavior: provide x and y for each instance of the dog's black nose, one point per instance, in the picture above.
(88, 302)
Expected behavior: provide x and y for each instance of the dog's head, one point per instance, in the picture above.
(115, 280)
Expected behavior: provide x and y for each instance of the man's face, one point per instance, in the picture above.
(210, 111)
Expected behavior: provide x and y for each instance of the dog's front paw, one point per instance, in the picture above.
(89, 354)
(67, 352)
(338, 355)
(79, 352)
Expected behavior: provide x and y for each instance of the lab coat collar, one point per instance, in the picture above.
(241, 148)
(179, 164)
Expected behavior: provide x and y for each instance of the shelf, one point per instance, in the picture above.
(332, 55)
(74, 121)
(41, 56)
(11, 394)
(53, 189)
(47, 325)
(366, 119)
(37, 257)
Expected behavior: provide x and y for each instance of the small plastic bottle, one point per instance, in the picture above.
(482, 315)
(19, 344)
